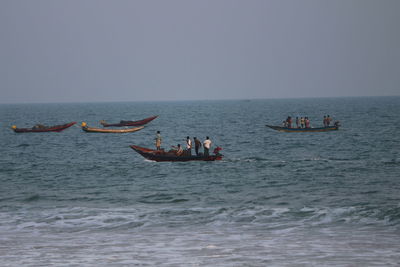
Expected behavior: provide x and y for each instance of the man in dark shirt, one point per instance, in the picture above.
(197, 145)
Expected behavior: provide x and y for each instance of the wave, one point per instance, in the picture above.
(161, 198)
(297, 160)
(355, 215)
(254, 159)
(23, 145)
(392, 162)
(32, 198)
(312, 216)
(136, 217)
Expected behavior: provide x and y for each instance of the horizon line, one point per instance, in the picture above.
(191, 100)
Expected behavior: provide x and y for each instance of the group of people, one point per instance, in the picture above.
(303, 122)
(178, 150)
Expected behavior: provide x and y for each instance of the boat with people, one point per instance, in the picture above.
(128, 123)
(303, 125)
(161, 155)
(40, 128)
(302, 130)
(86, 128)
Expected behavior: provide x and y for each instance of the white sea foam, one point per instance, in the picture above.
(206, 246)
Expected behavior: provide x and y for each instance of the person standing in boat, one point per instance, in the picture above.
(302, 122)
(297, 122)
(307, 121)
(325, 123)
(158, 140)
(207, 146)
(289, 122)
(189, 145)
(328, 120)
(197, 145)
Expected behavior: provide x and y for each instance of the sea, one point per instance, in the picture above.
(276, 199)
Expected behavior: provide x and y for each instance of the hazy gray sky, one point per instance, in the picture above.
(96, 50)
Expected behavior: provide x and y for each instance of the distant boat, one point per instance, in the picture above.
(42, 128)
(302, 130)
(161, 155)
(101, 130)
(128, 123)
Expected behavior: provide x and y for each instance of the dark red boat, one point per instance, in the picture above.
(161, 155)
(42, 128)
(128, 123)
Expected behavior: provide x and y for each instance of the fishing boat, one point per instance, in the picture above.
(161, 155)
(128, 123)
(302, 130)
(42, 128)
(100, 130)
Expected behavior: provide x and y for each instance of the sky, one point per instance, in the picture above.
(159, 50)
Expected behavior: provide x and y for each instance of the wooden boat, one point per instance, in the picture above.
(302, 130)
(161, 155)
(42, 128)
(100, 130)
(128, 123)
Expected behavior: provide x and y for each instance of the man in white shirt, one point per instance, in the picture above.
(158, 140)
(189, 145)
(207, 146)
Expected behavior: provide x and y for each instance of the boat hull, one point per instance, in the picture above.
(99, 130)
(161, 156)
(129, 123)
(303, 130)
(55, 128)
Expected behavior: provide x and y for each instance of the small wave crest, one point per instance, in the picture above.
(23, 145)
(391, 163)
(161, 198)
(32, 198)
(255, 160)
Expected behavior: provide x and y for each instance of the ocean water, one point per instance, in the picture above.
(276, 199)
